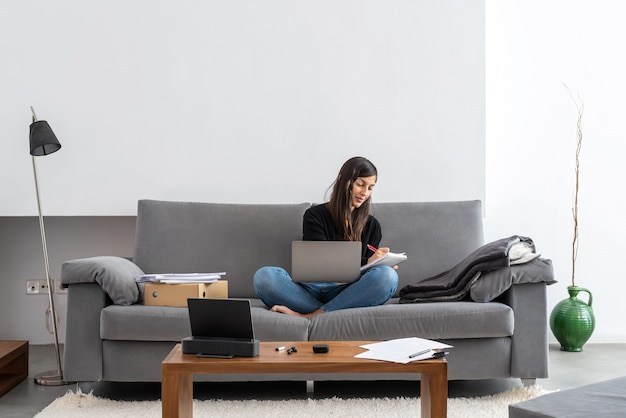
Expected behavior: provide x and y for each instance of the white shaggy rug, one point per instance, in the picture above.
(79, 405)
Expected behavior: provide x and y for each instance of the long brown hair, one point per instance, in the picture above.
(350, 224)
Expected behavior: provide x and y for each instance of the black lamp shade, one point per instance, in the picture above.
(42, 140)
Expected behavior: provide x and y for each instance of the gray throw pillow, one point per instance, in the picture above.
(492, 284)
(116, 275)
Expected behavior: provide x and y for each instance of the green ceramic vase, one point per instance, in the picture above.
(572, 320)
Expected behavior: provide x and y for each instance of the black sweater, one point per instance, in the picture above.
(318, 225)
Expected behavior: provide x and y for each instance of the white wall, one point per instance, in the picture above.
(532, 48)
(240, 101)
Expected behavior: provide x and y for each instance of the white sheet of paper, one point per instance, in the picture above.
(180, 278)
(400, 350)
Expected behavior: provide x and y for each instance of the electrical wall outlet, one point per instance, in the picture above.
(58, 289)
(32, 287)
(37, 287)
(43, 287)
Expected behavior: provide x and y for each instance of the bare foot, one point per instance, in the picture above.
(285, 310)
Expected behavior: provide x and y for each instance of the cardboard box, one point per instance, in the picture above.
(162, 294)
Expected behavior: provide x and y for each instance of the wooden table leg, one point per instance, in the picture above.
(176, 395)
(434, 394)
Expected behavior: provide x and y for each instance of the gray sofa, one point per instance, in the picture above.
(504, 335)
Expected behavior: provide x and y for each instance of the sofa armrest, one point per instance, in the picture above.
(93, 283)
(529, 351)
(82, 351)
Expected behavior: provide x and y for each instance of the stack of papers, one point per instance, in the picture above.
(402, 350)
(177, 278)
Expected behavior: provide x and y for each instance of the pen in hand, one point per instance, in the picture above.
(371, 247)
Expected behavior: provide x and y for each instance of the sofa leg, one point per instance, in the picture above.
(85, 387)
(528, 382)
(310, 387)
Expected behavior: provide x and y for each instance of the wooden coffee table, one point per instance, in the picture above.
(178, 370)
(13, 364)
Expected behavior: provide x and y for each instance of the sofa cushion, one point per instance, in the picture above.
(162, 323)
(116, 275)
(144, 323)
(441, 320)
(189, 237)
(435, 235)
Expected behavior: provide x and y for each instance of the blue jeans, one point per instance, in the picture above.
(275, 287)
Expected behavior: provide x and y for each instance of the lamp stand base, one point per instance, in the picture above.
(51, 378)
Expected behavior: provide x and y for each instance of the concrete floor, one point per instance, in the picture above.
(567, 370)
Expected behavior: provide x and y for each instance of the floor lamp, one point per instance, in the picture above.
(44, 142)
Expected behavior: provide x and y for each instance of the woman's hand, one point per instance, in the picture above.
(379, 253)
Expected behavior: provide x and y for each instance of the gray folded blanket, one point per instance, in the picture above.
(455, 284)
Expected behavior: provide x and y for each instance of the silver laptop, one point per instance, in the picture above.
(224, 319)
(325, 261)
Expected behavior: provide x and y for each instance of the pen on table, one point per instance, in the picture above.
(419, 353)
(371, 247)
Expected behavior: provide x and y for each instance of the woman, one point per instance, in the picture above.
(345, 217)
